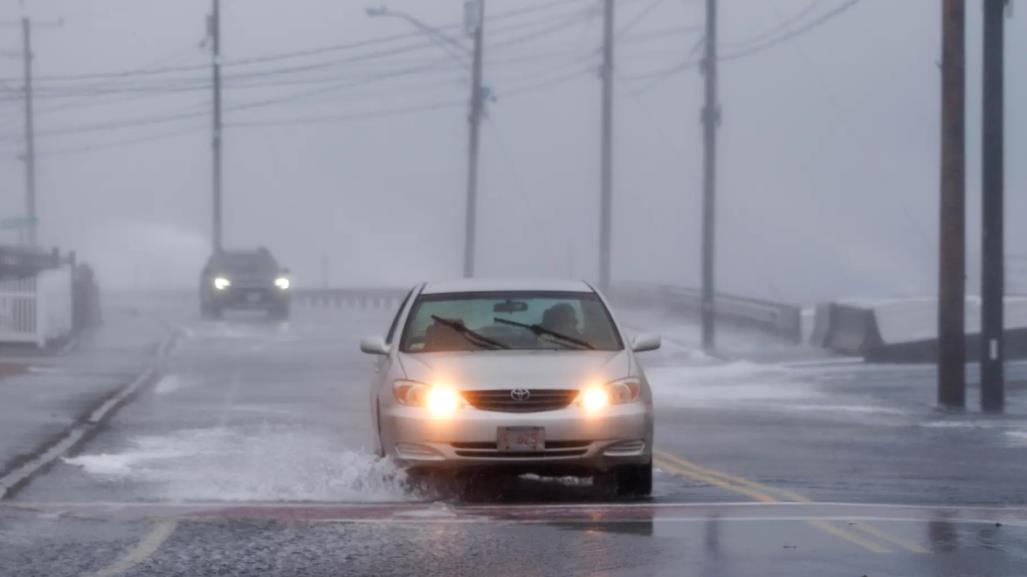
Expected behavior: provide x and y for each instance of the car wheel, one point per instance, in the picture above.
(279, 313)
(634, 480)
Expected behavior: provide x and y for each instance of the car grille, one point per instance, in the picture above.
(553, 449)
(538, 400)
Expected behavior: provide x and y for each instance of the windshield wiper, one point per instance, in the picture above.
(472, 336)
(541, 330)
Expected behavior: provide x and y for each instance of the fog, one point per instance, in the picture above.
(829, 147)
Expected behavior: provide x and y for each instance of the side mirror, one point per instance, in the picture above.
(646, 342)
(374, 346)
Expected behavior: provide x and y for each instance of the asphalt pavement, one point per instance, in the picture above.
(250, 453)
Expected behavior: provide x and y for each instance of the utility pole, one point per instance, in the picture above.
(992, 192)
(710, 120)
(476, 21)
(31, 223)
(952, 261)
(217, 142)
(606, 162)
(31, 220)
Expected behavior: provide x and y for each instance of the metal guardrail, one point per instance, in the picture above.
(360, 298)
(773, 318)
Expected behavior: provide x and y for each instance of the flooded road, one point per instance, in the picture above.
(250, 451)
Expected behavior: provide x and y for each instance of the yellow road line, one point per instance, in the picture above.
(907, 545)
(788, 495)
(848, 536)
(160, 533)
(764, 493)
(710, 480)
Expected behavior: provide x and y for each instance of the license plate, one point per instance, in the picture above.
(254, 297)
(520, 439)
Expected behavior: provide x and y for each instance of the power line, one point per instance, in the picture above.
(573, 20)
(751, 50)
(165, 70)
(638, 19)
(403, 110)
(121, 143)
(782, 25)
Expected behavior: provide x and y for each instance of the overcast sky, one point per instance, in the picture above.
(829, 142)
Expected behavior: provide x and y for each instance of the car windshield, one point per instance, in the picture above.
(509, 320)
(246, 263)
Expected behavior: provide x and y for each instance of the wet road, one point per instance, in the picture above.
(249, 454)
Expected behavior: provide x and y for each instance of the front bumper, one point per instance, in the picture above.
(575, 441)
(255, 298)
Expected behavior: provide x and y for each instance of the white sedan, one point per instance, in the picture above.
(532, 376)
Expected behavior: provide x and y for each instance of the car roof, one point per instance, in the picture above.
(508, 284)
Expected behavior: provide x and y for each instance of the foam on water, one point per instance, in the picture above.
(172, 383)
(1017, 438)
(237, 464)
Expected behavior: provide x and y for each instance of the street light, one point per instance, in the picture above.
(475, 12)
(445, 42)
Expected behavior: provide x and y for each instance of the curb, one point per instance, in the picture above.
(86, 427)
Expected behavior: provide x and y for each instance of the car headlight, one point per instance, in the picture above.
(283, 283)
(221, 283)
(597, 397)
(441, 401)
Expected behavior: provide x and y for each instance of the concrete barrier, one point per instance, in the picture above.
(926, 351)
(851, 330)
(905, 331)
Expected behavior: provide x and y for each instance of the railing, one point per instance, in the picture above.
(37, 309)
(360, 298)
(776, 319)
(773, 318)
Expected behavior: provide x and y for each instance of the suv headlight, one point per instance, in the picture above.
(441, 401)
(283, 283)
(597, 397)
(221, 283)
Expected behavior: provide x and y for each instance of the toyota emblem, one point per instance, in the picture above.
(520, 394)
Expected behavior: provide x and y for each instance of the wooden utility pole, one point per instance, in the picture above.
(710, 120)
(992, 227)
(952, 257)
(606, 160)
(218, 129)
(31, 218)
(477, 19)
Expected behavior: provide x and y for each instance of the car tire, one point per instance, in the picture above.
(634, 480)
(279, 313)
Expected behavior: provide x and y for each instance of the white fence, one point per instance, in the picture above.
(36, 310)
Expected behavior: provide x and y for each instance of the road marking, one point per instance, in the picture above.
(71, 437)
(907, 545)
(849, 536)
(764, 493)
(143, 550)
(710, 480)
(788, 495)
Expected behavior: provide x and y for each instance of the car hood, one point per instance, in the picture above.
(484, 370)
